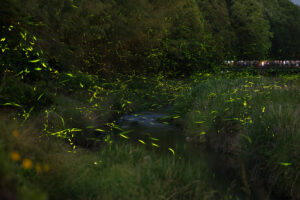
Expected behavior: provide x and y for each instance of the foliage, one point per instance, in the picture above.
(284, 19)
(252, 29)
(108, 37)
(125, 171)
(252, 119)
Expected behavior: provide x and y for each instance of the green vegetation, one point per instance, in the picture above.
(48, 168)
(69, 69)
(253, 120)
(108, 37)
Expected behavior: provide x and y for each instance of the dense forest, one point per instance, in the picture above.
(81, 82)
(182, 36)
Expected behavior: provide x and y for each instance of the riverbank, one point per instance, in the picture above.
(252, 120)
(66, 150)
(35, 167)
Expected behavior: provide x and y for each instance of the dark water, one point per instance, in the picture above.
(146, 126)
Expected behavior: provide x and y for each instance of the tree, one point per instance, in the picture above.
(217, 20)
(284, 18)
(252, 30)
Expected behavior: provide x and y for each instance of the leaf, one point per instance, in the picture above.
(141, 141)
(173, 152)
(212, 94)
(38, 69)
(44, 65)
(155, 139)
(35, 61)
(31, 109)
(40, 96)
(175, 117)
(156, 145)
(99, 162)
(285, 164)
(11, 104)
(23, 35)
(124, 136)
(62, 120)
(200, 122)
(100, 130)
(75, 130)
(117, 127)
(81, 85)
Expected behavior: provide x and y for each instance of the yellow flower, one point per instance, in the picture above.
(46, 168)
(15, 156)
(27, 163)
(16, 133)
(38, 168)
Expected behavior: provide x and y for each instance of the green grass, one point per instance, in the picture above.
(253, 119)
(124, 171)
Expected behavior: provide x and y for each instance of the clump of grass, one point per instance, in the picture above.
(273, 149)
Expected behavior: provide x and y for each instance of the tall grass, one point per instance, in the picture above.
(252, 119)
(124, 171)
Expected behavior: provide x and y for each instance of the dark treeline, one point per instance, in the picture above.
(103, 37)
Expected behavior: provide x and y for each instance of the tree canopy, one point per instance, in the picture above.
(143, 35)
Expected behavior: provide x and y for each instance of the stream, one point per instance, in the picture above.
(145, 128)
